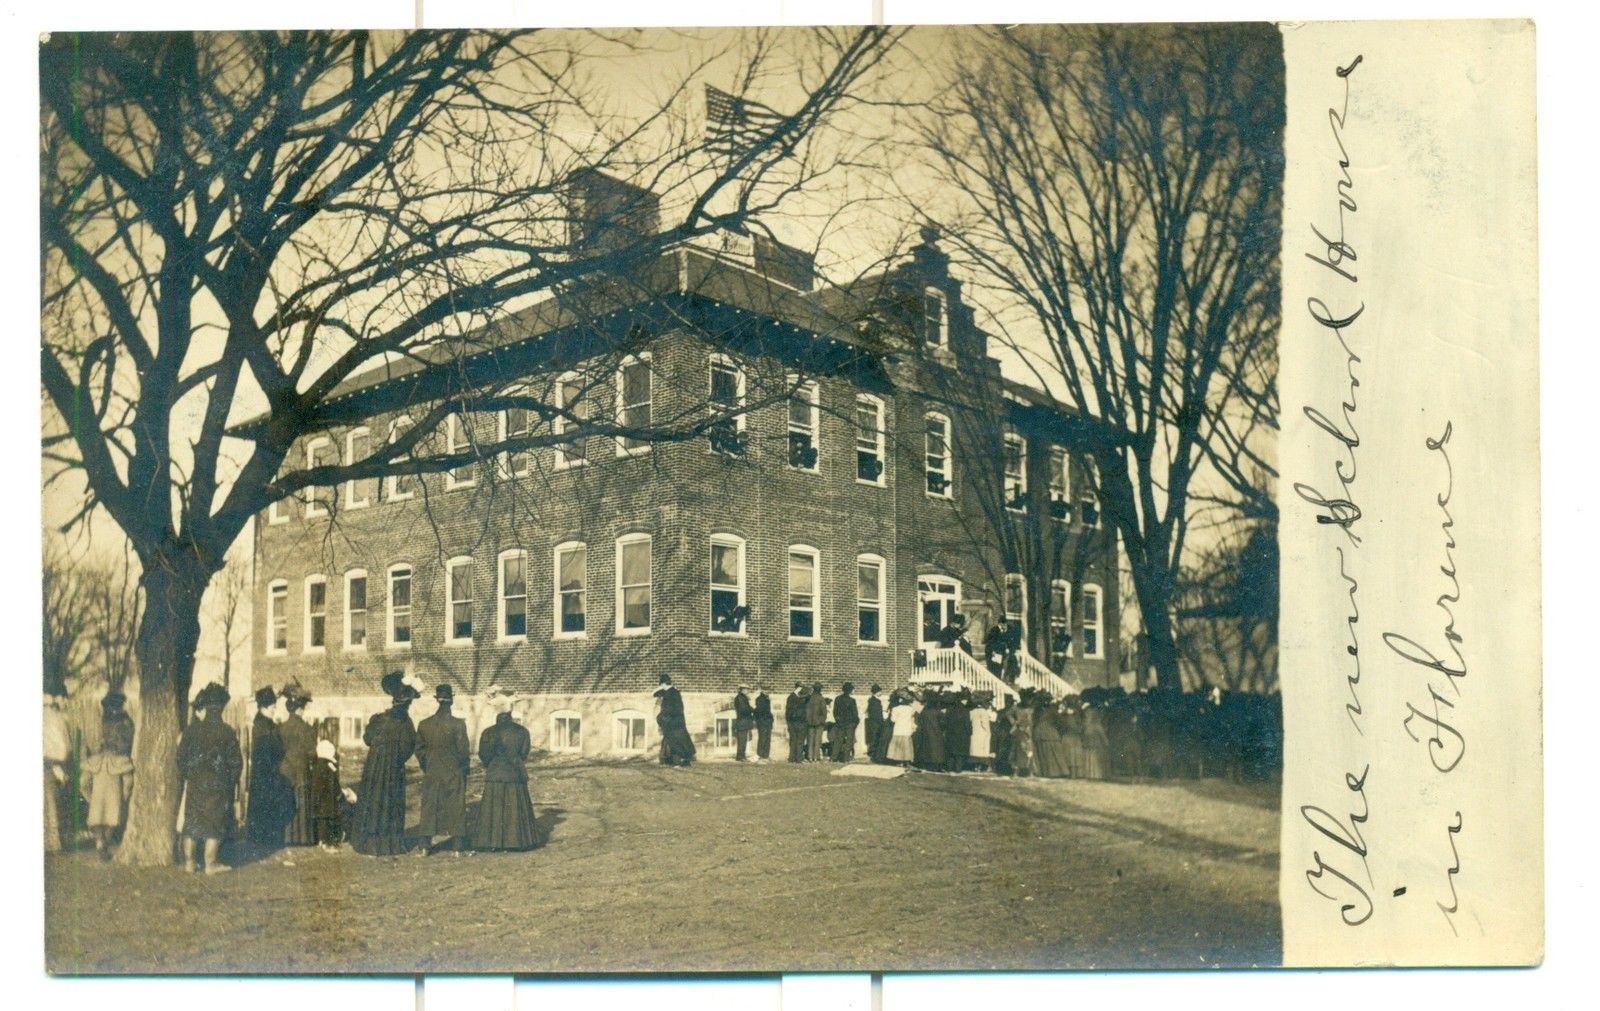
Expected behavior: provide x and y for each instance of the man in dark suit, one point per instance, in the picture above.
(444, 754)
(875, 725)
(763, 718)
(816, 722)
(846, 717)
(794, 715)
(743, 721)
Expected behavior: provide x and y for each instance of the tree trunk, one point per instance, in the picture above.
(1153, 585)
(169, 631)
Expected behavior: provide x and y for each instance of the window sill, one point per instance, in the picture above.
(794, 638)
(632, 633)
(276, 652)
(571, 464)
(874, 645)
(569, 636)
(314, 651)
(510, 640)
(460, 485)
(728, 635)
(458, 643)
(623, 454)
(355, 649)
(348, 506)
(872, 484)
(398, 647)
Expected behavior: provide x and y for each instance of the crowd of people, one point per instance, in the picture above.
(1098, 734)
(294, 797)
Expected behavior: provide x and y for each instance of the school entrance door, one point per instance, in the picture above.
(938, 599)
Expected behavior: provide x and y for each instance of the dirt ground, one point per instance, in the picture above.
(727, 867)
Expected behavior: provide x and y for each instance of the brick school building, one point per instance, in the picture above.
(882, 479)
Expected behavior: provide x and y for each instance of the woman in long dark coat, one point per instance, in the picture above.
(1020, 758)
(270, 797)
(930, 734)
(1096, 743)
(956, 731)
(299, 761)
(1049, 760)
(379, 827)
(209, 764)
(505, 818)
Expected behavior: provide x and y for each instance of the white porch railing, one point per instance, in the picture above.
(954, 667)
(1034, 674)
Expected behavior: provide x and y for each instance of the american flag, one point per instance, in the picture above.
(733, 124)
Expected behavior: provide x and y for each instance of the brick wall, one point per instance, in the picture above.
(681, 494)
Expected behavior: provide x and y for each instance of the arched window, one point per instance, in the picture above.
(515, 423)
(566, 731)
(458, 601)
(726, 397)
(635, 394)
(940, 465)
(512, 607)
(805, 593)
(1093, 642)
(629, 732)
(358, 491)
(805, 448)
(1060, 485)
(355, 609)
(571, 604)
(633, 584)
(935, 321)
(400, 486)
(1060, 622)
(459, 439)
(728, 608)
(1017, 602)
(572, 412)
(320, 452)
(278, 617)
(399, 606)
(869, 440)
(1016, 472)
(316, 614)
(870, 608)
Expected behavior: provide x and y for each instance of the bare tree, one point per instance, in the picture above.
(113, 603)
(66, 619)
(257, 219)
(1123, 190)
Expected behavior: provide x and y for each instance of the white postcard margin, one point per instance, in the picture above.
(1410, 605)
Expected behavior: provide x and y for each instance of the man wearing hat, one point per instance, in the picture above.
(794, 716)
(816, 722)
(763, 718)
(209, 764)
(298, 766)
(876, 741)
(743, 721)
(444, 754)
(379, 826)
(846, 717)
(270, 797)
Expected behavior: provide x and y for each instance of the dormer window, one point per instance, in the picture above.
(935, 321)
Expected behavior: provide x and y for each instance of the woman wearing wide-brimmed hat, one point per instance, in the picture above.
(299, 762)
(505, 817)
(109, 772)
(270, 797)
(379, 827)
(903, 709)
(209, 764)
